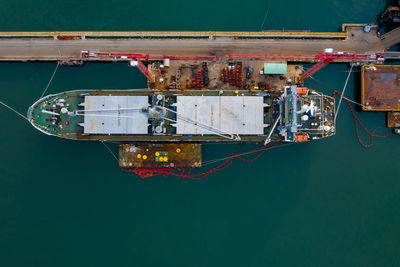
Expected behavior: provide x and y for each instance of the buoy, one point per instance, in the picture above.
(178, 150)
(144, 156)
(139, 156)
(67, 123)
(157, 154)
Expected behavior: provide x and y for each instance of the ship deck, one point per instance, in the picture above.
(69, 125)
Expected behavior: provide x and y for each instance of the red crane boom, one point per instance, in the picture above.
(315, 68)
(143, 69)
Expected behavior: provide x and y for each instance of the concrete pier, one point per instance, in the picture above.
(52, 46)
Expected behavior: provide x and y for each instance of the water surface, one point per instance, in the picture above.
(66, 203)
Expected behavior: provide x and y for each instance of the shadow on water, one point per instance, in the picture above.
(357, 88)
(384, 19)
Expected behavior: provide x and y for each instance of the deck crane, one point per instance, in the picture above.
(268, 139)
(158, 110)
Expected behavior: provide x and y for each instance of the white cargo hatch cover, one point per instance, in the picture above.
(231, 114)
(109, 115)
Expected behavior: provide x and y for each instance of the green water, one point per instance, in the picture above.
(66, 203)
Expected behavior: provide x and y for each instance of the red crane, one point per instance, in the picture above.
(315, 68)
(326, 58)
(143, 69)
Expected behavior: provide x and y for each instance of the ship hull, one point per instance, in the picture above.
(235, 116)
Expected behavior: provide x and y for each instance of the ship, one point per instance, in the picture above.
(294, 114)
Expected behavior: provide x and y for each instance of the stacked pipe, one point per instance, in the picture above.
(231, 74)
(205, 73)
(224, 75)
(239, 74)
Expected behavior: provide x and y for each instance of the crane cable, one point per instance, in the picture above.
(198, 124)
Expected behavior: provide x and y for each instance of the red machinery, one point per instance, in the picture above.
(315, 68)
(138, 57)
(127, 56)
(69, 37)
(143, 69)
(322, 59)
(326, 58)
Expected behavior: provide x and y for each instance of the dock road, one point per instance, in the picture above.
(53, 46)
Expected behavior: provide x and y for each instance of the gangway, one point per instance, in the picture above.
(315, 68)
(326, 58)
(143, 69)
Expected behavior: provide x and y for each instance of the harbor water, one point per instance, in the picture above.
(66, 203)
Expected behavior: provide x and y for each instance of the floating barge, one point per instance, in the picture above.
(156, 155)
(380, 91)
(380, 87)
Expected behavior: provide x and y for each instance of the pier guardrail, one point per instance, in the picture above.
(73, 35)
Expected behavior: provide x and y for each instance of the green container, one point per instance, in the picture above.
(275, 68)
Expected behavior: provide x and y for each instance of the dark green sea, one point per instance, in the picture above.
(66, 203)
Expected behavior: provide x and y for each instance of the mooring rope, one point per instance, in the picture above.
(327, 87)
(208, 162)
(10, 108)
(109, 150)
(265, 19)
(342, 94)
(51, 79)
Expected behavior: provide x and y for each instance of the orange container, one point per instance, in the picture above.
(302, 90)
(301, 138)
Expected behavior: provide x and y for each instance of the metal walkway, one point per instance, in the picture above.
(391, 38)
(63, 35)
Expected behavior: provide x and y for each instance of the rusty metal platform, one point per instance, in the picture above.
(393, 119)
(380, 87)
(156, 155)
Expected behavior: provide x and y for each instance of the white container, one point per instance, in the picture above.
(166, 62)
(133, 63)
